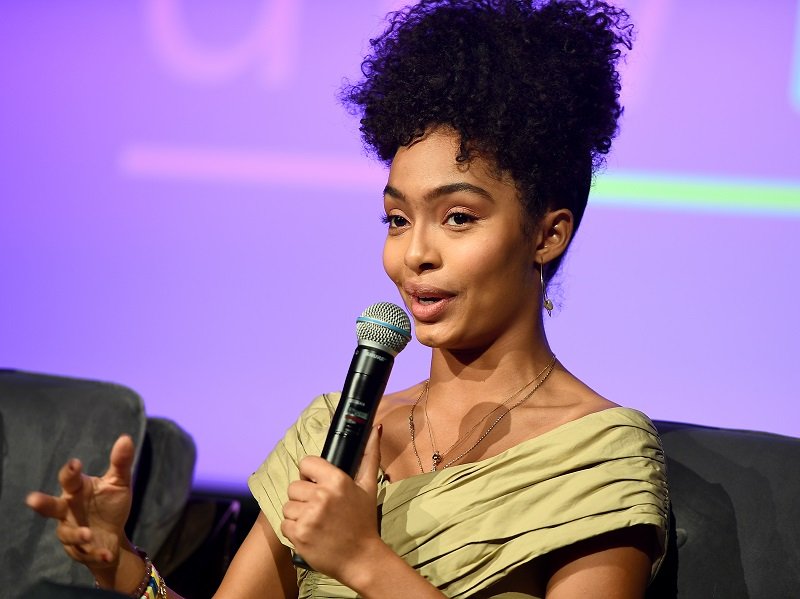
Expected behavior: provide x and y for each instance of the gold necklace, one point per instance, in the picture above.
(437, 457)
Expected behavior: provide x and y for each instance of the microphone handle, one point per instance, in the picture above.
(352, 422)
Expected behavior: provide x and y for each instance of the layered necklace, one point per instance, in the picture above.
(438, 457)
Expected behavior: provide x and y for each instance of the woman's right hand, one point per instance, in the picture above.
(91, 511)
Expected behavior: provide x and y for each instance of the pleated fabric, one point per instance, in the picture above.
(468, 526)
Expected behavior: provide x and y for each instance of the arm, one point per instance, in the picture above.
(91, 513)
(262, 567)
(614, 565)
(331, 520)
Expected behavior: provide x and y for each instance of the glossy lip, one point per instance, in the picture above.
(427, 312)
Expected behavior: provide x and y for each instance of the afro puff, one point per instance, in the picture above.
(532, 85)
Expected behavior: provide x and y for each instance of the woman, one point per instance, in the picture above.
(501, 474)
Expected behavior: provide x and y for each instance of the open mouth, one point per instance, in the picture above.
(427, 301)
(428, 305)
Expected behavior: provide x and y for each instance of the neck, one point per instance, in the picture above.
(497, 369)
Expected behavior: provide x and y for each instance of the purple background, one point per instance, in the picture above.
(187, 210)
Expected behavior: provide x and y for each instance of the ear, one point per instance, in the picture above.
(553, 235)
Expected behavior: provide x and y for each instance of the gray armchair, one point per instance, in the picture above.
(46, 419)
(735, 495)
(736, 514)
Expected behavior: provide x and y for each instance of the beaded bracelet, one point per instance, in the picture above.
(152, 585)
(156, 587)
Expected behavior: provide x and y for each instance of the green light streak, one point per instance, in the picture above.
(698, 194)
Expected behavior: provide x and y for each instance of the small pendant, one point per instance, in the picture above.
(436, 459)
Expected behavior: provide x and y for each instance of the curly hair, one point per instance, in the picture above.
(532, 85)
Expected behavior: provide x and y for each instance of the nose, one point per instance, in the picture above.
(422, 252)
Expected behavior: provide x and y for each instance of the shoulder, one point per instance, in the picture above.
(396, 405)
(586, 426)
(307, 434)
(625, 417)
(320, 411)
(572, 404)
(620, 431)
(579, 401)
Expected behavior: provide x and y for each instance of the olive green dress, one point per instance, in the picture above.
(469, 526)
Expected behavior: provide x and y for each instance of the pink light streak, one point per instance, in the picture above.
(257, 167)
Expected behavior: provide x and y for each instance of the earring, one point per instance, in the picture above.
(546, 301)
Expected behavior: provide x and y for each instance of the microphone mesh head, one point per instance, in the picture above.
(386, 324)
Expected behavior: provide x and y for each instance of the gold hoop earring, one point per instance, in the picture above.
(546, 301)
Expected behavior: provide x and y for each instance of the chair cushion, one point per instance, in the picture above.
(737, 517)
(44, 420)
(163, 483)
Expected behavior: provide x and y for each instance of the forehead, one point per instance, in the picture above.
(430, 162)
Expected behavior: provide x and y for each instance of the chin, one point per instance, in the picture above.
(425, 339)
(429, 336)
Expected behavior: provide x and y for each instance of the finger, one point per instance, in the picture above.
(288, 529)
(292, 510)
(47, 505)
(78, 543)
(70, 477)
(297, 534)
(367, 476)
(301, 490)
(318, 470)
(73, 536)
(121, 462)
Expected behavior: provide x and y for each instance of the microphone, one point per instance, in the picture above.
(383, 330)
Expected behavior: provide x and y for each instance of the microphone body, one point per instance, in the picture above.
(383, 331)
(352, 422)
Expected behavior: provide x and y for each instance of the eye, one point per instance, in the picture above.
(459, 219)
(395, 221)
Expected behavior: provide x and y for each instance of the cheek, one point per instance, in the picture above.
(488, 259)
(390, 265)
(500, 266)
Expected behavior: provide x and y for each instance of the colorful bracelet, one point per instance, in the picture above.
(152, 585)
(156, 587)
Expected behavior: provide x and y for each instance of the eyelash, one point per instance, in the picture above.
(469, 218)
(389, 219)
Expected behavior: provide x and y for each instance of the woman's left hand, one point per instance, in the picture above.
(331, 519)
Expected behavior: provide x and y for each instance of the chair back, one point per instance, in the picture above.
(736, 508)
(44, 420)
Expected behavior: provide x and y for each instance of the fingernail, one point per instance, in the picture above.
(380, 430)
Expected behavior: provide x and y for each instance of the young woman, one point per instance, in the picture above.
(501, 474)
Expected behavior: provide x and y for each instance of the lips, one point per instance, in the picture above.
(427, 303)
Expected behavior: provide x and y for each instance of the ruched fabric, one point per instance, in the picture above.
(469, 526)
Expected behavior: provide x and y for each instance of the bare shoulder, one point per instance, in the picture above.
(585, 400)
(566, 398)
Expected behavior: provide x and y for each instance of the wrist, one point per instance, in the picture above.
(124, 576)
(364, 573)
(385, 575)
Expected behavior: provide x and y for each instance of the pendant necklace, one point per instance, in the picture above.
(437, 457)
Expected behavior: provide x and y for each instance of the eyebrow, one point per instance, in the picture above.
(442, 190)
